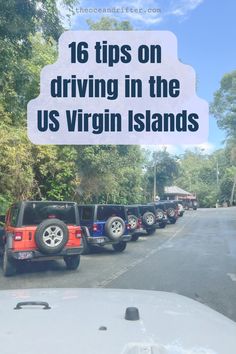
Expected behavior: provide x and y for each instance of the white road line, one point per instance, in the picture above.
(232, 276)
(123, 270)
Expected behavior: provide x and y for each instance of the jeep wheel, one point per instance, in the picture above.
(72, 262)
(9, 266)
(133, 222)
(151, 231)
(159, 214)
(119, 247)
(134, 237)
(115, 228)
(51, 236)
(148, 218)
(171, 212)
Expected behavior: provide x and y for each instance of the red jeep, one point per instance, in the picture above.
(41, 231)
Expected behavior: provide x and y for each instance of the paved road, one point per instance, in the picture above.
(196, 257)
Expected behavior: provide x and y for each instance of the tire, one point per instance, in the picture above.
(171, 212)
(151, 231)
(134, 237)
(9, 266)
(51, 236)
(162, 225)
(133, 221)
(159, 214)
(148, 218)
(119, 247)
(115, 228)
(72, 262)
(173, 221)
(87, 248)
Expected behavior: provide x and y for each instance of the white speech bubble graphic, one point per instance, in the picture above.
(118, 87)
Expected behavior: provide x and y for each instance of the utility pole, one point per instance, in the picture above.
(232, 192)
(155, 184)
(217, 173)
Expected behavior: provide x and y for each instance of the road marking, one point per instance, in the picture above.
(167, 244)
(125, 269)
(232, 276)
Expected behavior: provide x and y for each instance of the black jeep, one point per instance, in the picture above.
(105, 224)
(146, 218)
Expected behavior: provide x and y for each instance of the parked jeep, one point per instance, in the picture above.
(171, 208)
(41, 230)
(105, 224)
(146, 219)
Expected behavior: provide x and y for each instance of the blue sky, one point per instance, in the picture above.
(206, 34)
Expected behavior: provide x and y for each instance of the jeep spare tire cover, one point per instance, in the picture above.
(115, 227)
(51, 236)
(133, 222)
(171, 212)
(148, 218)
(159, 214)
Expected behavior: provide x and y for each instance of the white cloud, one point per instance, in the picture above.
(172, 149)
(205, 148)
(65, 14)
(182, 8)
(149, 10)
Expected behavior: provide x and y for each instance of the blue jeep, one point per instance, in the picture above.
(104, 224)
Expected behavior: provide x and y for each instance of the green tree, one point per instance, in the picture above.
(223, 108)
(21, 81)
(164, 167)
(198, 173)
(16, 174)
(110, 174)
(20, 20)
(109, 24)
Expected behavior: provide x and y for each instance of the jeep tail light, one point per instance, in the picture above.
(78, 233)
(139, 223)
(128, 226)
(95, 227)
(18, 236)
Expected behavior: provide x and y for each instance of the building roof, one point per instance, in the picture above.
(174, 190)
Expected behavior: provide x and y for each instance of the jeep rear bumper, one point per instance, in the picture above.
(35, 255)
(151, 227)
(103, 240)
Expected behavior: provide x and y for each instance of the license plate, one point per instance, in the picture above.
(25, 255)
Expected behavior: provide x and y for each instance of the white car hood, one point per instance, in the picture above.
(168, 324)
